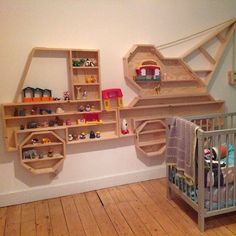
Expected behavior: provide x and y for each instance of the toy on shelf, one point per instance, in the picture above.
(98, 134)
(90, 62)
(44, 111)
(59, 110)
(90, 79)
(81, 94)
(81, 108)
(32, 125)
(75, 136)
(46, 140)
(36, 94)
(50, 153)
(66, 96)
(68, 122)
(78, 62)
(70, 137)
(92, 118)
(30, 154)
(88, 107)
(158, 88)
(19, 112)
(82, 135)
(114, 93)
(92, 134)
(34, 140)
(148, 71)
(124, 127)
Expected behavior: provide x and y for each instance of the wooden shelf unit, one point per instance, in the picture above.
(42, 152)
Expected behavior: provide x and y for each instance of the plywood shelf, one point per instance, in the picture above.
(151, 143)
(38, 145)
(44, 159)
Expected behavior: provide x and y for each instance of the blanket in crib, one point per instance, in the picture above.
(181, 146)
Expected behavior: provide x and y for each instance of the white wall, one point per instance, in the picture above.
(112, 26)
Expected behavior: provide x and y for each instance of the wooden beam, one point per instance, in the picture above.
(220, 38)
(208, 38)
(207, 55)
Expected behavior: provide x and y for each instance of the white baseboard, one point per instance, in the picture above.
(52, 191)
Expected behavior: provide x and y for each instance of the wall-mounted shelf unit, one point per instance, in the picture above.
(42, 152)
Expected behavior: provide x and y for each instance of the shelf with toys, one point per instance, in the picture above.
(42, 152)
(94, 126)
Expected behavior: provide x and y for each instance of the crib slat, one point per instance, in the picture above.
(218, 171)
(211, 191)
(234, 143)
(227, 172)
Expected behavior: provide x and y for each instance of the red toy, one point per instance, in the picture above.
(109, 94)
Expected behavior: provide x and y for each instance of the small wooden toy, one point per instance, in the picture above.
(92, 134)
(38, 94)
(51, 123)
(78, 62)
(148, 70)
(66, 95)
(46, 140)
(30, 154)
(50, 153)
(81, 108)
(41, 155)
(47, 95)
(90, 79)
(88, 107)
(84, 94)
(82, 135)
(59, 121)
(75, 136)
(158, 88)
(114, 93)
(90, 62)
(32, 125)
(98, 134)
(19, 112)
(59, 110)
(44, 111)
(22, 127)
(35, 140)
(28, 94)
(124, 127)
(92, 118)
(70, 137)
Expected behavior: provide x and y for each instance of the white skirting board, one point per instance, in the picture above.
(53, 191)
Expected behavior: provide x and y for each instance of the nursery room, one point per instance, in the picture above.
(118, 117)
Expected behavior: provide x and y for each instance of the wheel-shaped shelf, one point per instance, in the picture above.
(151, 139)
(42, 152)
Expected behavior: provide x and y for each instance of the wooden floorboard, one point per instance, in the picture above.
(133, 209)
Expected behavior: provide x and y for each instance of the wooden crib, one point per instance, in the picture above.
(214, 191)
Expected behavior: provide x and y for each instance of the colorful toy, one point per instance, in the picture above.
(66, 95)
(82, 135)
(92, 118)
(59, 121)
(75, 136)
(46, 140)
(109, 94)
(90, 62)
(78, 62)
(81, 108)
(51, 123)
(45, 111)
(34, 140)
(98, 134)
(36, 94)
(59, 110)
(148, 71)
(124, 127)
(90, 79)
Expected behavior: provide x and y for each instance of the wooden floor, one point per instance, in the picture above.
(134, 209)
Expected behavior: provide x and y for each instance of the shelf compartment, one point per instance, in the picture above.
(151, 137)
(42, 158)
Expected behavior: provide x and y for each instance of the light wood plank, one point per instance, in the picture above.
(114, 213)
(88, 221)
(28, 226)
(13, 220)
(42, 218)
(104, 223)
(150, 223)
(154, 209)
(58, 222)
(71, 215)
(3, 216)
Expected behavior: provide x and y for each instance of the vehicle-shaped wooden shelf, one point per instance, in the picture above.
(151, 139)
(42, 152)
